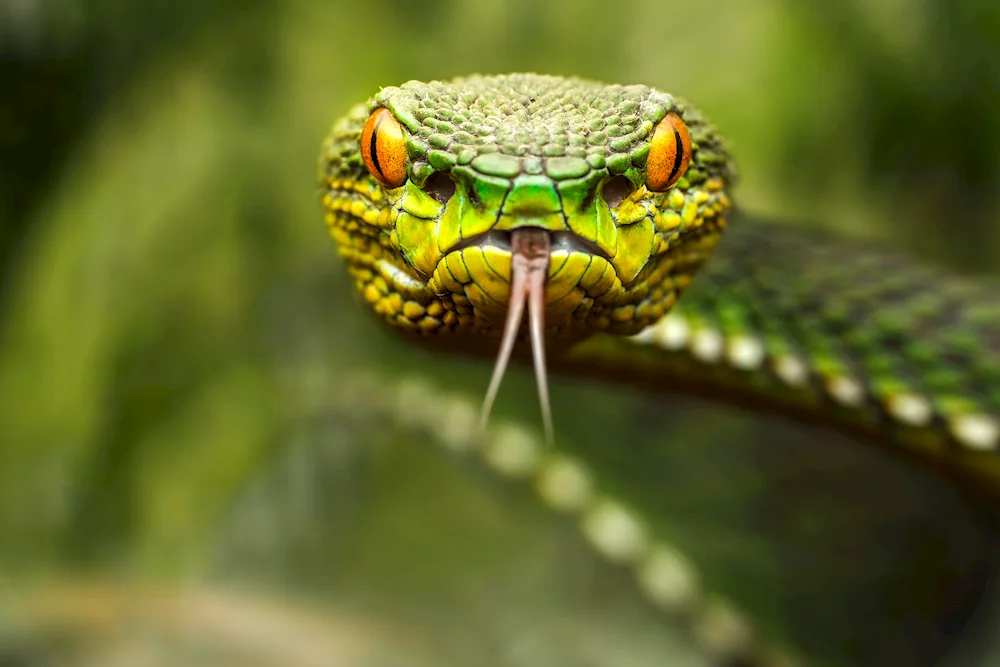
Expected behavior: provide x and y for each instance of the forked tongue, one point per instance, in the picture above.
(529, 266)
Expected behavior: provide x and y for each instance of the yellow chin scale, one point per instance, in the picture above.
(400, 268)
(423, 201)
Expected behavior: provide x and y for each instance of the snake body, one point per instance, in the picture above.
(791, 321)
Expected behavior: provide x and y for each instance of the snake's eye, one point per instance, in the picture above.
(383, 148)
(669, 154)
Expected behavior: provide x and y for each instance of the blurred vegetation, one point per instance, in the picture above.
(176, 335)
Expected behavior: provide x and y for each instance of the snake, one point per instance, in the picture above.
(604, 213)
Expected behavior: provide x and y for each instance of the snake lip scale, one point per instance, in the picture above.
(558, 240)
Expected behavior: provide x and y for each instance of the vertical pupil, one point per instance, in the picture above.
(678, 155)
(373, 146)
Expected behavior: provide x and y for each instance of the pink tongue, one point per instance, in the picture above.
(529, 266)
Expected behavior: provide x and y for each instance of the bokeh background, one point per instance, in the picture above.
(191, 467)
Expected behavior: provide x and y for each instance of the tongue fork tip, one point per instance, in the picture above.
(529, 269)
(536, 323)
(515, 312)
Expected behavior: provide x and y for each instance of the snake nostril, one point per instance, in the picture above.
(616, 190)
(440, 187)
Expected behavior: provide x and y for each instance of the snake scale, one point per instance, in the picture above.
(454, 204)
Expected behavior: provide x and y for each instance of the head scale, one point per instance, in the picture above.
(426, 182)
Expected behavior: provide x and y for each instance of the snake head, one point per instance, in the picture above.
(428, 187)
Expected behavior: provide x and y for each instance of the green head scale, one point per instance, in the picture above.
(457, 204)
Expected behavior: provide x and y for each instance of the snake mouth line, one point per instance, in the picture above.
(558, 240)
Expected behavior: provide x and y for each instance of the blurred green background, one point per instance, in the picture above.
(189, 471)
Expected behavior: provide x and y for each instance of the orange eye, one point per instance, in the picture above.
(669, 153)
(383, 148)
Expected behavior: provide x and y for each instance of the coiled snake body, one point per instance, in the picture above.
(455, 204)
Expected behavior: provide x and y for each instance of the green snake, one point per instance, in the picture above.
(457, 205)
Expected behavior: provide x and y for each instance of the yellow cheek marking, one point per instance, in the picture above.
(676, 200)
(457, 268)
(576, 265)
(595, 270)
(690, 213)
(614, 292)
(607, 232)
(498, 260)
(556, 261)
(412, 310)
(560, 282)
(411, 288)
(483, 305)
(482, 275)
(636, 242)
(630, 212)
(585, 223)
(443, 281)
(463, 219)
(603, 283)
(394, 302)
(414, 235)
(448, 230)
(370, 216)
(417, 202)
(387, 217)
